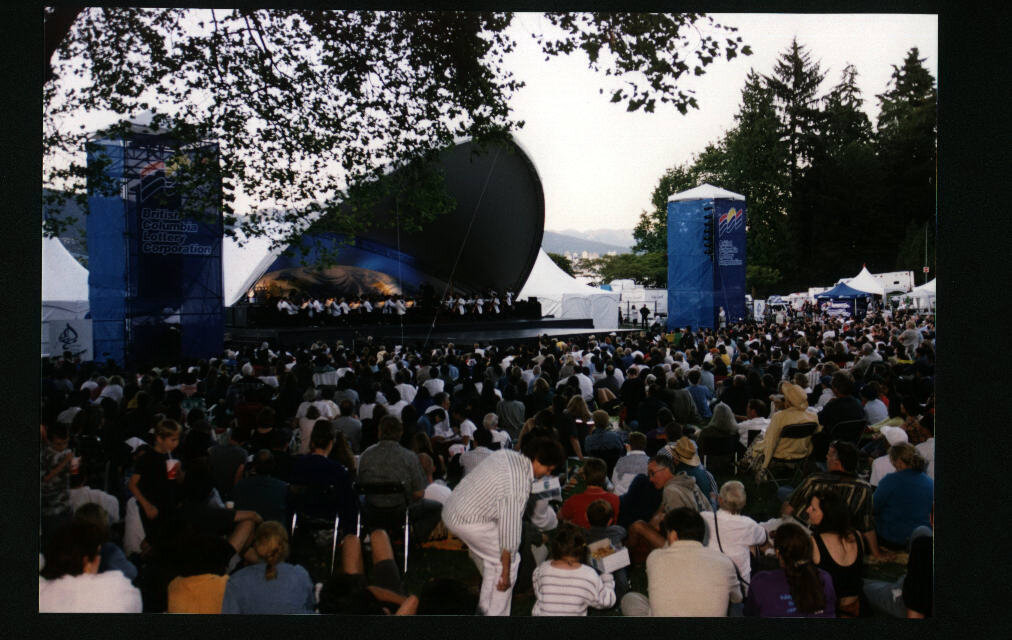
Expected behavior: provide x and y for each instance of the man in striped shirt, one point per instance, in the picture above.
(486, 509)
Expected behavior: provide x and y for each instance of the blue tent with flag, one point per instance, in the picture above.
(844, 300)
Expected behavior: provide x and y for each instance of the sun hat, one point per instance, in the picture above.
(684, 450)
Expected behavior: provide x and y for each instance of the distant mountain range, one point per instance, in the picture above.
(599, 241)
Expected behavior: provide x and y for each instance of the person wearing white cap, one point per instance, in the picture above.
(882, 465)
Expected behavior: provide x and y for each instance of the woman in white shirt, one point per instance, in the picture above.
(70, 582)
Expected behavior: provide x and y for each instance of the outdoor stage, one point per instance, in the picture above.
(460, 333)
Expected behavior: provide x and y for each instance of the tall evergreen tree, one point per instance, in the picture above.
(756, 167)
(795, 83)
(907, 145)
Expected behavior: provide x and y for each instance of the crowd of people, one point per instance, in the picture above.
(174, 488)
(305, 309)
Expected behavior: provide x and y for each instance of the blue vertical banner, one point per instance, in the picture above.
(729, 276)
(706, 257)
(165, 254)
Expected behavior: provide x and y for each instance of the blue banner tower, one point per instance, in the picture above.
(706, 257)
(154, 254)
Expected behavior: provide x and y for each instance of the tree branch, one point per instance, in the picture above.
(57, 26)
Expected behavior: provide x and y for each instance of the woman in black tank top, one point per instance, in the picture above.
(838, 549)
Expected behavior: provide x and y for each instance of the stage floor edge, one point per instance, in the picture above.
(414, 335)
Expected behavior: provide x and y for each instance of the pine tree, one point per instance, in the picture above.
(757, 168)
(907, 146)
(795, 84)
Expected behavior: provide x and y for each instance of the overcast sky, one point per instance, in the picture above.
(599, 164)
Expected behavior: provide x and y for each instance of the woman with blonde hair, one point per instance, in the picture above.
(272, 585)
(578, 410)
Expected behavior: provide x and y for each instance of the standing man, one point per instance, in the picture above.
(644, 314)
(486, 509)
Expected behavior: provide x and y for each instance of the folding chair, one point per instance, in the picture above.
(388, 518)
(848, 430)
(800, 431)
(314, 509)
(723, 446)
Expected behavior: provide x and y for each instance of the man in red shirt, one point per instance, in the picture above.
(595, 473)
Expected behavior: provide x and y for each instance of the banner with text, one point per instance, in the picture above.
(729, 274)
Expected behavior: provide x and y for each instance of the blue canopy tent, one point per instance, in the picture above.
(844, 299)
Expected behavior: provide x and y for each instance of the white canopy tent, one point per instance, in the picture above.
(923, 296)
(64, 287)
(241, 266)
(562, 296)
(866, 282)
(706, 191)
(64, 283)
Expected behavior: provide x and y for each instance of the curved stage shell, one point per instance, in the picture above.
(496, 228)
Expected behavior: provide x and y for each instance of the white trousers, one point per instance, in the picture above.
(482, 541)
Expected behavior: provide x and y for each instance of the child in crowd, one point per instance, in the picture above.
(601, 517)
(156, 478)
(563, 585)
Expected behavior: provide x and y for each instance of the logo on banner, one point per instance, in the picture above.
(733, 219)
(75, 337)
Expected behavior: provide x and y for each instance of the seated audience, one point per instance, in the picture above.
(685, 579)
(70, 581)
(798, 589)
(564, 585)
(271, 586)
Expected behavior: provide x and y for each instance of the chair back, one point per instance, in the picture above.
(314, 500)
(848, 430)
(718, 445)
(799, 431)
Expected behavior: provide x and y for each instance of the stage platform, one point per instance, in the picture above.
(464, 333)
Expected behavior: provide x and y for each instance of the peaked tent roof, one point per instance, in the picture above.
(926, 290)
(864, 281)
(706, 191)
(547, 280)
(63, 277)
(842, 291)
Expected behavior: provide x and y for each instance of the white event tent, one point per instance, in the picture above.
(923, 296)
(866, 282)
(562, 296)
(64, 287)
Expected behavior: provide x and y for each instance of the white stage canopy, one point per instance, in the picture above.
(64, 283)
(64, 288)
(562, 296)
(866, 282)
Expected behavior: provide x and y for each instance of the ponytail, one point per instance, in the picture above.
(271, 543)
(795, 549)
(806, 586)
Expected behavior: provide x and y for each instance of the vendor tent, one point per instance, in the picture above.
(923, 296)
(844, 299)
(64, 287)
(562, 296)
(842, 292)
(866, 282)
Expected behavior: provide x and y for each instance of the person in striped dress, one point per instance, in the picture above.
(564, 586)
(485, 511)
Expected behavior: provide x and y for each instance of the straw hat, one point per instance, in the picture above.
(684, 450)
